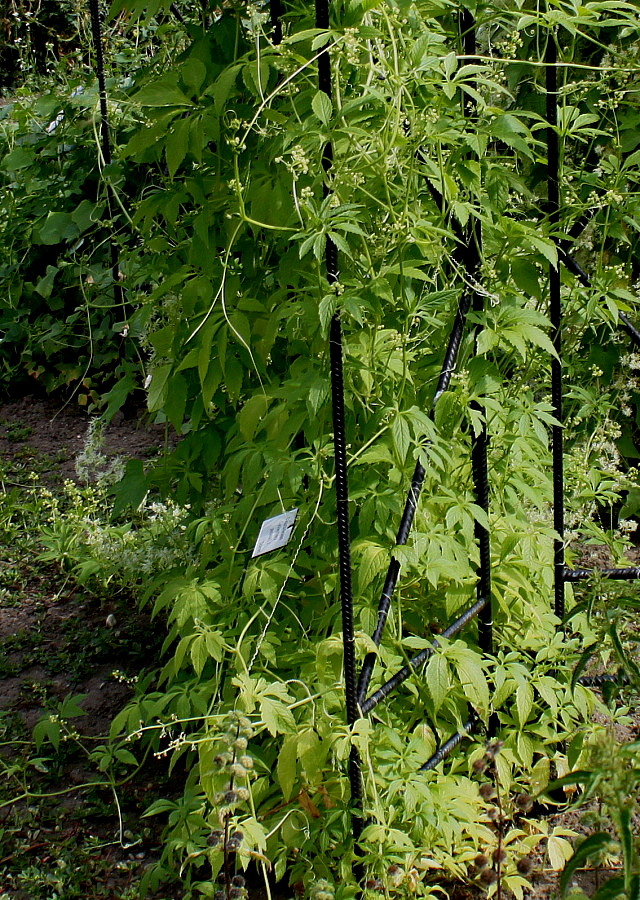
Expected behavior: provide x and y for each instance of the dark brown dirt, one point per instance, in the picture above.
(33, 429)
(58, 640)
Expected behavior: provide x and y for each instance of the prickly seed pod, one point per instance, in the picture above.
(246, 728)
(240, 744)
(246, 761)
(493, 813)
(222, 759)
(487, 791)
(237, 770)
(488, 877)
(235, 893)
(237, 836)
(481, 861)
(230, 797)
(215, 837)
(498, 856)
(243, 794)
(238, 881)
(525, 865)
(479, 765)
(322, 890)
(524, 802)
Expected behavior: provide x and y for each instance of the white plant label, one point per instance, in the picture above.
(275, 532)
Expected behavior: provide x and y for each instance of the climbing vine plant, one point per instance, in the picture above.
(230, 308)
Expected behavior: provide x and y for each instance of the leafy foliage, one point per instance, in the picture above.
(230, 308)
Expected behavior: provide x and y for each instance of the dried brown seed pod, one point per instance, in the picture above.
(498, 855)
(525, 865)
(493, 813)
(488, 877)
(524, 802)
(215, 837)
(479, 765)
(487, 791)
(481, 861)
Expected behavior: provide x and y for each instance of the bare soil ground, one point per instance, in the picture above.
(58, 640)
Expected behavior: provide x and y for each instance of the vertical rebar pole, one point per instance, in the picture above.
(96, 33)
(480, 441)
(340, 462)
(555, 314)
(275, 14)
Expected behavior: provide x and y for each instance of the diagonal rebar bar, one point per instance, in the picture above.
(401, 676)
(450, 745)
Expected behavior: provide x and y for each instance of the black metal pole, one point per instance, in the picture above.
(275, 14)
(340, 461)
(480, 441)
(96, 33)
(555, 314)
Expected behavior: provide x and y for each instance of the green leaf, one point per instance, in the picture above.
(512, 132)
(157, 387)
(116, 397)
(199, 653)
(256, 76)
(57, 227)
(524, 702)
(193, 72)
(473, 681)
(249, 417)
(19, 158)
(176, 401)
(559, 851)
(126, 757)
(437, 679)
(322, 107)
(45, 285)
(401, 436)
(177, 145)
(371, 559)
(132, 488)
(276, 716)
(286, 767)
(162, 92)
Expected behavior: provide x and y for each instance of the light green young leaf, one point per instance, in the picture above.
(286, 767)
(322, 107)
